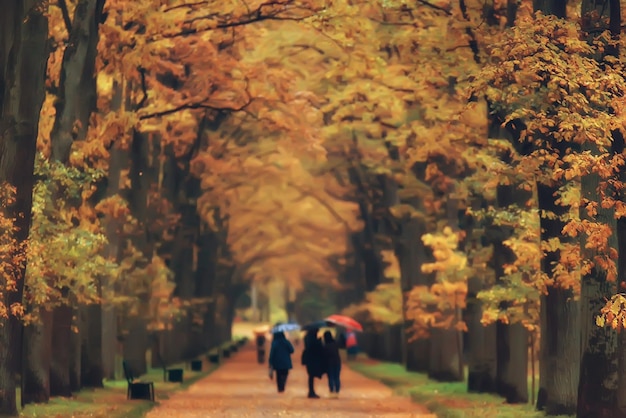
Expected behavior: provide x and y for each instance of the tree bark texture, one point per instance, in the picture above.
(75, 351)
(560, 323)
(37, 357)
(481, 339)
(91, 370)
(411, 254)
(118, 160)
(61, 357)
(620, 395)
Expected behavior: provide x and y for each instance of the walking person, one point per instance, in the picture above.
(352, 345)
(313, 359)
(333, 363)
(280, 359)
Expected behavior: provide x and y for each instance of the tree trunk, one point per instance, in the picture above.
(60, 364)
(598, 366)
(620, 395)
(411, 254)
(352, 275)
(23, 58)
(118, 160)
(141, 174)
(37, 357)
(560, 313)
(445, 355)
(446, 350)
(208, 246)
(551, 7)
(136, 345)
(481, 340)
(223, 320)
(91, 370)
(109, 342)
(512, 362)
(560, 323)
(619, 409)
(77, 94)
(76, 100)
(598, 385)
(559, 353)
(512, 359)
(74, 348)
(482, 360)
(209, 327)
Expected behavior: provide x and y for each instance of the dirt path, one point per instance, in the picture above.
(242, 388)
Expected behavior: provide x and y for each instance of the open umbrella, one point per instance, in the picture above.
(344, 321)
(285, 328)
(316, 325)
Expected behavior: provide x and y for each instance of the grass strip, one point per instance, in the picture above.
(445, 399)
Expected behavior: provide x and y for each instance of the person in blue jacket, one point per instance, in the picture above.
(280, 359)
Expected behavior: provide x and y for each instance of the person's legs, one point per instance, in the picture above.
(329, 375)
(332, 382)
(312, 393)
(278, 383)
(338, 378)
(281, 379)
(285, 379)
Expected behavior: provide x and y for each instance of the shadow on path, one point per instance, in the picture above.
(241, 388)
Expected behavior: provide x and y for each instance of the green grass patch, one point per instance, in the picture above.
(111, 402)
(446, 400)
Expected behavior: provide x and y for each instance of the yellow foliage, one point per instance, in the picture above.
(613, 313)
(440, 305)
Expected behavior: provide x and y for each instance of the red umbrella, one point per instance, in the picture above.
(344, 321)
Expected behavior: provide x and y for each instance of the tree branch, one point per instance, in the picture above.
(204, 104)
(253, 16)
(66, 17)
(194, 106)
(144, 88)
(190, 5)
(434, 6)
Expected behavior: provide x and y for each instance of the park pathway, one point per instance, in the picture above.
(241, 388)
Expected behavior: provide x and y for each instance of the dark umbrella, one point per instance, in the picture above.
(316, 325)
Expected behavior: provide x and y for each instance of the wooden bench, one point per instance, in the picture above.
(136, 388)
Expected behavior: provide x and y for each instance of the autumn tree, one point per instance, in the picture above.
(597, 391)
(23, 67)
(173, 103)
(75, 32)
(559, 173)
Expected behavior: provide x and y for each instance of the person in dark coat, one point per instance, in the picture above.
(260, 348)
(280, 359)
(314, 360)
(333, 362)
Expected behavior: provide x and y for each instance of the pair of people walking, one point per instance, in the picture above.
(321, 359)
(318, 358)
